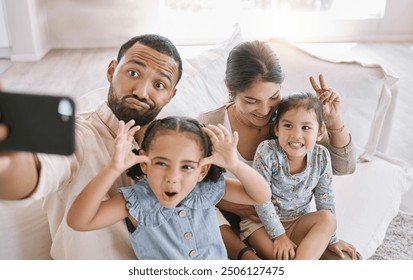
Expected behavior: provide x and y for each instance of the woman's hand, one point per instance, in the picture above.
(284, 248)
(330, 100)
(124, 157)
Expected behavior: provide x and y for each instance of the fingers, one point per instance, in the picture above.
(288, 254)
(216, 133)
(205, 161)
(292, 254)
(236, 138)
(322, 82)
(325, 96)
(220, 133)
(351, 250)
(335, 248)
(3, 132)
(339, 253)
(128, 130)
(314, 84)
(142, 159)
(319, 88)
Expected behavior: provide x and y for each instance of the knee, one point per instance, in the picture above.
(328, 219)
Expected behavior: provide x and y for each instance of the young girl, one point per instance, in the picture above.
(171, 207)
(297, 169)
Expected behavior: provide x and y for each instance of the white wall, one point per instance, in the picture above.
(35, 26)
(27, 29)
(4, 37)
(107, 23)
(5, 49)
(99, 23)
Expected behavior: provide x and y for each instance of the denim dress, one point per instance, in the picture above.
(188, 231)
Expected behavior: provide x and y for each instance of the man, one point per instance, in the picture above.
(142, 81)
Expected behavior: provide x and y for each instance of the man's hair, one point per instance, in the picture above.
(156, 42)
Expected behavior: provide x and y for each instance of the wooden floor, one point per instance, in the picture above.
(70, 72)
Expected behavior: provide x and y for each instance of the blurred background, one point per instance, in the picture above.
(31, 28)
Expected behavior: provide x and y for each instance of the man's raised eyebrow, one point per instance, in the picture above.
(163, 74)
(138, 62)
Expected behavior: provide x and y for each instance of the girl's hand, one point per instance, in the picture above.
(342, 245)
(284, 248)
(123, 157)
(330, 100)
(224, 147)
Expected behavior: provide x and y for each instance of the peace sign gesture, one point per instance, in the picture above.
(329, 98)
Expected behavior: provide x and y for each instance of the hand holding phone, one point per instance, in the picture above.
(3, 131)
(37, 123)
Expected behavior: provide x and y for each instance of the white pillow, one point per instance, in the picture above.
(202, 84)
(368, 200)
(365, 90)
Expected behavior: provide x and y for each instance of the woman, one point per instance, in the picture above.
(253, 77)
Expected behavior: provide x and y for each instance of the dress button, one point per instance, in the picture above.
(188, 235)
(192, 253)
(182, 213)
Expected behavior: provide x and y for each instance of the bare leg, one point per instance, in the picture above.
(312, 234)
(262, 243)
(234, 244)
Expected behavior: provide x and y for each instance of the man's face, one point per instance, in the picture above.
(141, 84)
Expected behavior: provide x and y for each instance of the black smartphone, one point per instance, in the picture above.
(38, 123)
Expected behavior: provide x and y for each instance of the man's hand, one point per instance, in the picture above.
(4, 160)
(241, 210)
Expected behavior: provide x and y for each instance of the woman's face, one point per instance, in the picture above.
(255, 104)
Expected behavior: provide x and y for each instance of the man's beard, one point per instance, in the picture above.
(125, 113)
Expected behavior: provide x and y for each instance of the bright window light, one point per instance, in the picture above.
(208, 21)
(344, 9)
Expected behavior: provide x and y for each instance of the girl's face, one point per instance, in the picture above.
(255, 104)
(298, 131)
(174, 169)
